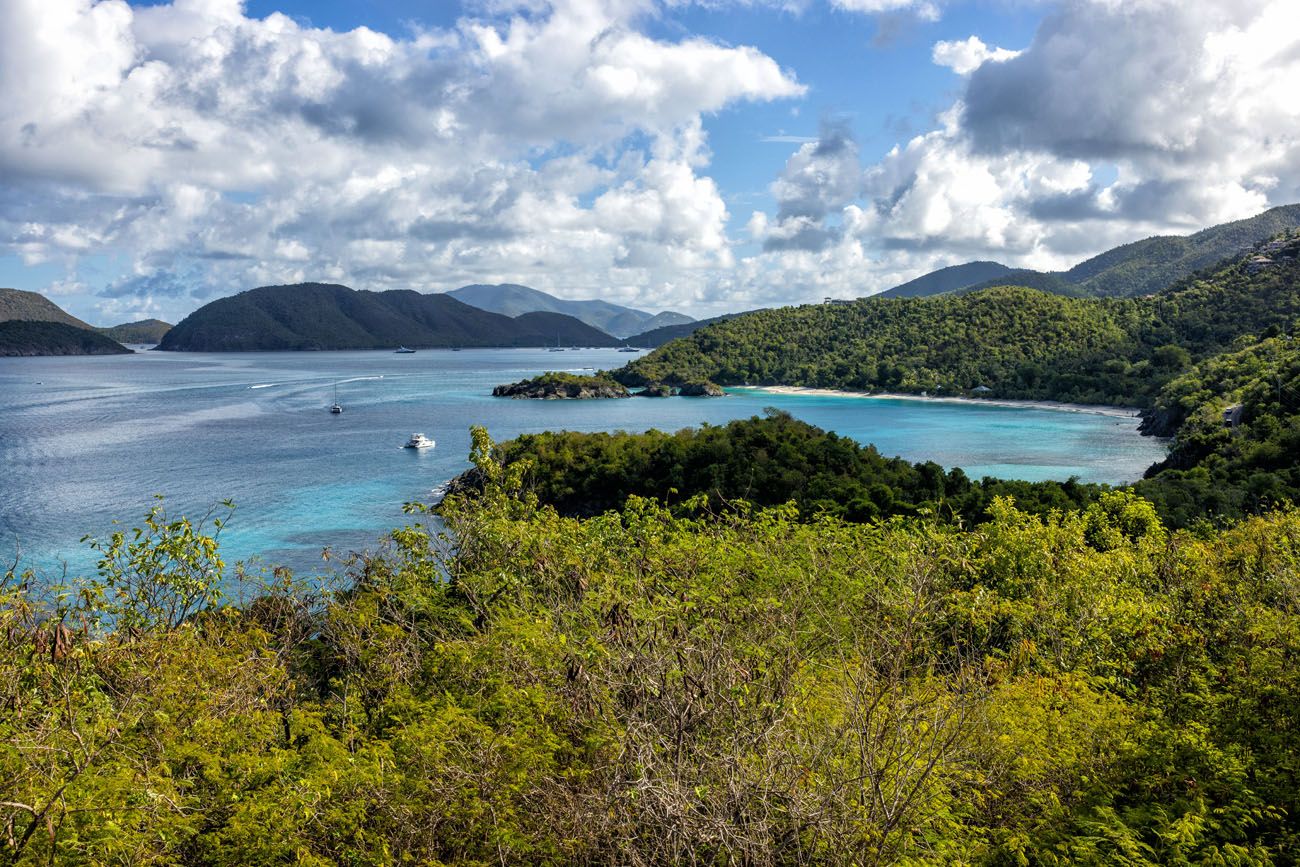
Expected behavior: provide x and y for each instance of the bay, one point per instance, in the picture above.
(86, 441)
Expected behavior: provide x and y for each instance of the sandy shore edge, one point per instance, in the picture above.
(1095, 409)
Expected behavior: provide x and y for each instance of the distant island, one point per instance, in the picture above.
(145, 331)
(319, 316)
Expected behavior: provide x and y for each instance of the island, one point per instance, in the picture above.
(554, 385)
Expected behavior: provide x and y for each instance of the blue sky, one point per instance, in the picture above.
(699, 156)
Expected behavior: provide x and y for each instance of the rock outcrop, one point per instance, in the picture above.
(701, 389)
(551, 386)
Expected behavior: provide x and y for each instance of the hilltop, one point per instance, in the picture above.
(17, 304)
(1129, 270)
(510, 299)
(661, 335)
(948, 279)
(330, 316)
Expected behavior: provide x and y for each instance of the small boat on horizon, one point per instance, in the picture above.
(419, 441)
(403, 350)
(336, 408)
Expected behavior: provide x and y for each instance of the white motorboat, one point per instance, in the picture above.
(419, 441)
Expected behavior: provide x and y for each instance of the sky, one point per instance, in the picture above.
(704, 156)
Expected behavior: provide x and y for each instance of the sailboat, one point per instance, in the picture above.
(336, 408)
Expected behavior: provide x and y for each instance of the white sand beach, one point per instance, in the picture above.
(1115, 411)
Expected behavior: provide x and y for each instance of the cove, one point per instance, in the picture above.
(85, 441)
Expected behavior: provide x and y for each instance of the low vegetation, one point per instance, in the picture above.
(650, 687)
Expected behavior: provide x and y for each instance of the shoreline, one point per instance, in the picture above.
(1056, 406)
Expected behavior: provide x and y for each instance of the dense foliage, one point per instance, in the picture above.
(1246, 462)
(19, 337)
(328, 316)
(762, 461)
(649, 688)
(1018, 342)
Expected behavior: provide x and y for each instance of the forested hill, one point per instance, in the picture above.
(17, 304)
(31, 324)
(329, 316)
(1015, 341)
(30, 338)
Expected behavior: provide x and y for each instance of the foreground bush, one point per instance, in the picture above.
(650, 687)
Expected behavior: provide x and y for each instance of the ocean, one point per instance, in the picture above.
(87, 441)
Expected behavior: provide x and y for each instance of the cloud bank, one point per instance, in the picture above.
(219, 151)
(203, 151)
(1118, 121)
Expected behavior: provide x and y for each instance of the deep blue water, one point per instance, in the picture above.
(84, 441)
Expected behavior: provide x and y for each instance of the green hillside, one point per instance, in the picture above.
(20, 337)
(1016, 342)
(328, 316)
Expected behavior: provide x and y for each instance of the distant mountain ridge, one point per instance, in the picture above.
(144, 331)
(659, 336)
(511, 299)
(1127, 271)
(948, 279)
(329, 316)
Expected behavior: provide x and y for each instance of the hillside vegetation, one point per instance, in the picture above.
(328, 316)
(767, 461)
(1017, 342)
(23, 338)
(646, 688)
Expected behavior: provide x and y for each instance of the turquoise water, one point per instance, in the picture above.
(84, 441)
